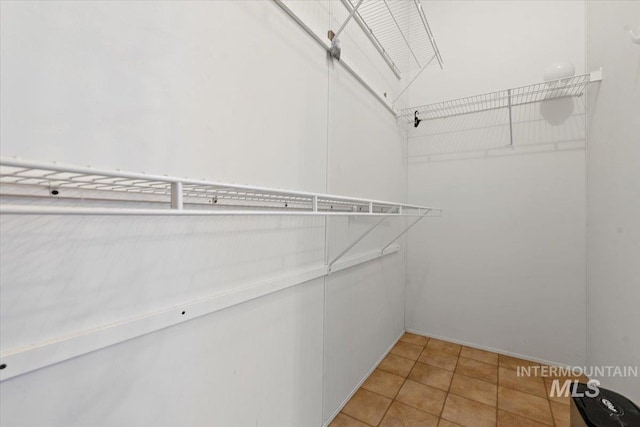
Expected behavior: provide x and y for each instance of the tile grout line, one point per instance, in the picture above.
(439, 416)
(446, 398)
(524, 392)
(448, 391)
(393, 399)
(498, 391)
(553, 418)
(405, 379)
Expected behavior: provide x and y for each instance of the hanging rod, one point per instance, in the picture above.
(537, 92)
(74, 190)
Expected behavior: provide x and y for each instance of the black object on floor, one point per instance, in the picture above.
(607, 409)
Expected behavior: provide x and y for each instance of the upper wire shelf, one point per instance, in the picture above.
(537, 92)
(42, 188)
(387, 24)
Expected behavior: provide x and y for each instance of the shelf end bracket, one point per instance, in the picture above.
(404, 231)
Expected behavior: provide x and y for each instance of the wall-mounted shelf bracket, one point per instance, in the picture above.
(335, 49)
(373, 227)
(346, 21)
(595, 76)
(403, 232)
(355, 242)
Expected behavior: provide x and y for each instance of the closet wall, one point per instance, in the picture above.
(613, 231)
(504, 268)
(229, 91)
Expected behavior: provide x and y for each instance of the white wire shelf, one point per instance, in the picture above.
(537, 92)
(34, 188)
(386, 24)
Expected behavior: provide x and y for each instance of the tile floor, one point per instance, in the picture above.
(433, 383)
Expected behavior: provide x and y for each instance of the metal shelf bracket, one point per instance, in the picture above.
(373, 227)
(355, 242)
(404, 231)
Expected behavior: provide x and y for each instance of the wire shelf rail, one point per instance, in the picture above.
(73, 190)
(537, 92)
(386, 24)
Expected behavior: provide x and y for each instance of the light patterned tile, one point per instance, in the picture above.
(560, 414)
(422, 397)
(367, 407)
(431, 375)
(468, 413)
(525, 405)
(396, 365)
(474, 389)
(479, 355)
(507, 419)
(473, 368)
(404, 349)
(532, 385)
(447, 347)
(511, 362)
(438, 359)
(401, 415)
(384, 383)
(342, 420)
(414, 339)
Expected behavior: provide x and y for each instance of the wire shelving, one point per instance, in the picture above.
(73, 188)
(386, 24)
(508, 98)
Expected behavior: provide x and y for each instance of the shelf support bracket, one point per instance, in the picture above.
(369, 33)
(355, 242)
(595, 76)
(346, 21)
(404, 231)
(412, 80)
(176, 196)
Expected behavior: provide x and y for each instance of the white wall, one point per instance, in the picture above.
(229, 91)
(613, 231)
(157, 87)
(494, 45)
(365, 306)
(505, 267)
